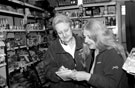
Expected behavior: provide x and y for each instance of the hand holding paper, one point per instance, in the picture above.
(129, 64)
(64, 73)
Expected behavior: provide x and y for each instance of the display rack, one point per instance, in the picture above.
(10, 26)
(106, 12)
(29, 60)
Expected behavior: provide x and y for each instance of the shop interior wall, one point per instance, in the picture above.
(130, 25)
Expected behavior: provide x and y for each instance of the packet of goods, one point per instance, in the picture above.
(129, 65)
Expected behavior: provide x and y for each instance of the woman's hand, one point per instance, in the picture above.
(80, 76)
(64, 73)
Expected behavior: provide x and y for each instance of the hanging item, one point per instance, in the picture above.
(27, 13)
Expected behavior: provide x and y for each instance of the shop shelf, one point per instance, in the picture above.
(10, 12)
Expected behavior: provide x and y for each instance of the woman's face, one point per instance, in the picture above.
(89, 41)
(64, 32)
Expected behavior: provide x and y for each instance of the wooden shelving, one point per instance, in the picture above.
(22, 30)
(12, 13)
(24, 65)
(34, 7)
(3, 64)
(26, 5)
(17, 2)
(16, 48)
(66, 7)
(96, 16)
(18, 14)
(100, 4)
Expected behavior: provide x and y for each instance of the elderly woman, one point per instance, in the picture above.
(64, 55)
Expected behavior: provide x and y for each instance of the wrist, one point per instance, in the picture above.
(88, 77)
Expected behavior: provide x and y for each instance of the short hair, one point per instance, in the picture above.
(60, 18)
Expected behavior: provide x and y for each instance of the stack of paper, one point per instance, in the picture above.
(129, 64)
